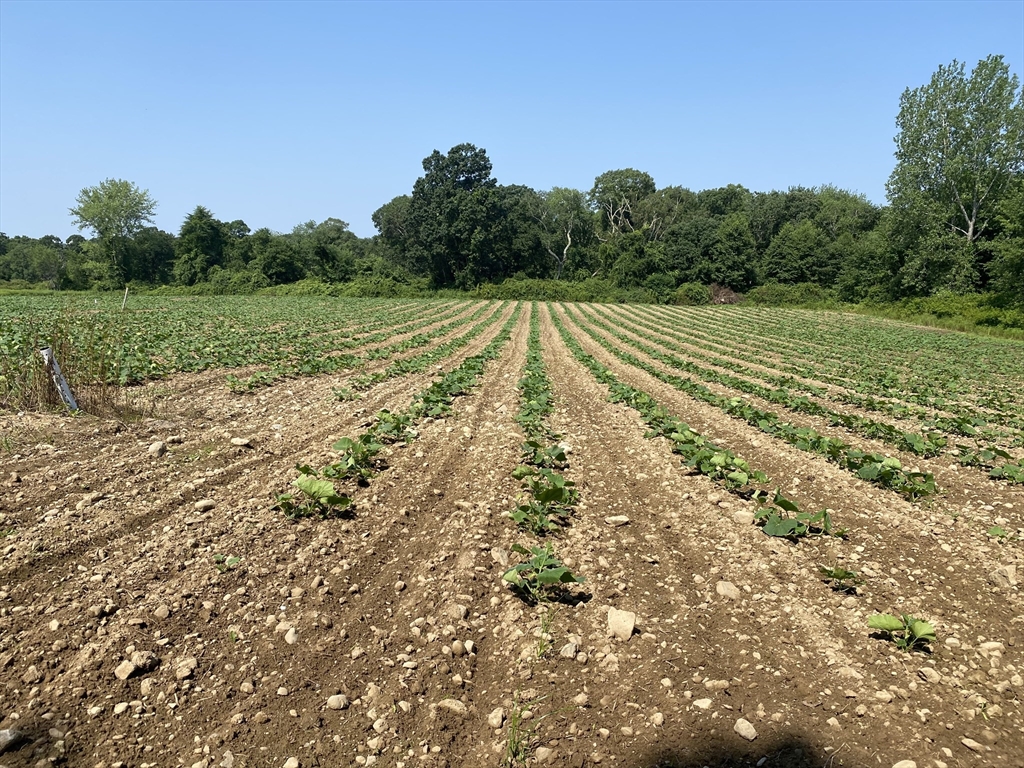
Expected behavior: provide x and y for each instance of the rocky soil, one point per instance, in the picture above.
(156, 610)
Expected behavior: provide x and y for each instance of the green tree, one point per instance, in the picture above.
(567, 229)
(799, 254)
(732, 256)
(616, 194)
(959, 147)
(115, 210)
(200, 246)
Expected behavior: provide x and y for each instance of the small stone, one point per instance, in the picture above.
(454, 705)
(282, 691)
(497, 718)
(205, 505)
(357, 652)
(658, 719)
(157, 449)
(626, 730)
(10, 738)
(246, 687)
(185, 668)
(929, 674)
(666, 683)
(241, 442)
(702, 703)
(728, 590)
(144, 661)
(621, 623)
(291, 636)
(905, 764)
(124, 670)
(972, 745)
(291, 762)
(833, 722)
(883, 696)
(580, 700)
(399, 586)
(120, 707)
(54, 625)
(617, 520)
(337, 701)
(162, 612)
(543, 754)
(743, 518)
(1004, 576)
(459, 648)
(745, 729)
(568, 651)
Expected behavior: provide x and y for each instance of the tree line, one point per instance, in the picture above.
(954, 223)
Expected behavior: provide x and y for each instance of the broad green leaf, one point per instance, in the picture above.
(885, 622)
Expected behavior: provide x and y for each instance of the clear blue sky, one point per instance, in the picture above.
(278, 113)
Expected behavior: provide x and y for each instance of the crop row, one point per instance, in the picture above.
(881, 470)
(318, 355)
(358, 458)
(925, 369)
(549, 499)
(723, 356)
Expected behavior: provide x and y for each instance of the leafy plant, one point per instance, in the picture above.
(394, 427)
(519, 736)
(541, 577)
(357, 458)
(841, 579)
(782, 518)
(319, 496)
(905, 631)
(345, 394)
(224, 563)
(552, 456)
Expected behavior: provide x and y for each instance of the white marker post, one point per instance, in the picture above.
(53, 368)
(124, 301)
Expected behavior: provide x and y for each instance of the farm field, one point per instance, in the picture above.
(304, 532)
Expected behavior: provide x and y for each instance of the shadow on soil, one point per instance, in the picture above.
(784, 751)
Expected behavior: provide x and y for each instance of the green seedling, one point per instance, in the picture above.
(997, 533)
(782, 518)
(540, 578)
(319, 497)
(841, 579)
(224, 563)
(394, 427)
(357, 458)
(905, 631)
(540, 519)
(345, 394)
(537, 455)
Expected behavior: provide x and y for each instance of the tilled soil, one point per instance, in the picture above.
(130, 635)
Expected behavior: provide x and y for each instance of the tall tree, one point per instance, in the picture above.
(616, 194)
(567, 226)
(115, 210)
(960, 145)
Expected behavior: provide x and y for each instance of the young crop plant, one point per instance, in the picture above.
(224, 563)
(394, 427)
(908, 633)
(319, 497)
(358, 458)
(1011, 472)
(782, 518)
(345, 394)
(840, 579)
(538, 455)
(540, 578)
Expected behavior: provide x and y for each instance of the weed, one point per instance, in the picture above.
(519, 736)
(905, 631)
(547, 621)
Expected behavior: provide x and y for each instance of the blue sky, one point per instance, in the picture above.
(281, 113)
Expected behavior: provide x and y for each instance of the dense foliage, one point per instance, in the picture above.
(954, 226)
